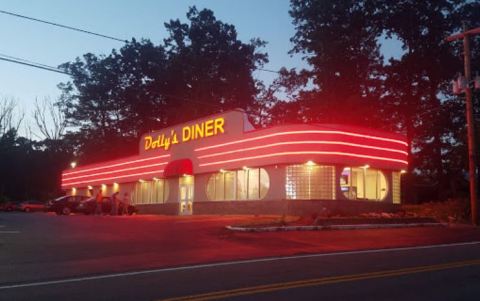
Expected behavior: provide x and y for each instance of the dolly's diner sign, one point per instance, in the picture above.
(208, 128)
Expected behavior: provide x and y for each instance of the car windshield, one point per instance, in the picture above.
(88, 200)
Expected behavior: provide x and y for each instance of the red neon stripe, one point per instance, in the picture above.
(305, 153)
(303, 142)
(113, 171)
(302, 132)
(111, 178)
(113, 165)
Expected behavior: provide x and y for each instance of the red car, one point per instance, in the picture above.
(8, 206)
(29, 206)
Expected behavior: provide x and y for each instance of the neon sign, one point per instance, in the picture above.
(208, 128)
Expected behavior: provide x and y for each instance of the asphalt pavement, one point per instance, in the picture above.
(47, 257)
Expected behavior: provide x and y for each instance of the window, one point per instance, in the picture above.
(245, 184)
(150, 192)
(307, 182)
(363, 183)
(396, 194)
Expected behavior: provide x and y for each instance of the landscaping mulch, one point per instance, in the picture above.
(372, 221)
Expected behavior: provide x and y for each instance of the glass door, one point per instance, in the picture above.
(185, 186)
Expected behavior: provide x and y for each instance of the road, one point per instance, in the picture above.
(45, 257)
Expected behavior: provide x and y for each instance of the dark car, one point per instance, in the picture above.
(65, 205)
(29, 206)
(9, 206)
(89, 206)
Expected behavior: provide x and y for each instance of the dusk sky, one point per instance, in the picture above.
(266, 19)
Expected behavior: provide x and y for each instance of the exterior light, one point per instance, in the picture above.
(89, 187)
(140, 180)
(310, 163)
(223, 170)
(245, 168)
(155, 178)
(366, 166)
(73, 164)
(403, 171)
(74, 191)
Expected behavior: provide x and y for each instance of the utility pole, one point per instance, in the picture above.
(472, 162)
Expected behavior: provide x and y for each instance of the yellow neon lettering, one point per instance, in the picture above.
(219, 122)
(209, 128)
(174, 140)
(186, 133)
(199, 128)
(196, 131)
(167, 143)
(148, 142)
(162, 141)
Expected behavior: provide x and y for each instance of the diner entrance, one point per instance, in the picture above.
(185, 193)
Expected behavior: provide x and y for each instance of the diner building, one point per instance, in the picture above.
(221, 164)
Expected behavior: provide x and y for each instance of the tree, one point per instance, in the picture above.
(201, 68)
(418, 88)
(339, 41)
(210, 66)
(49, 119)
(9, 117)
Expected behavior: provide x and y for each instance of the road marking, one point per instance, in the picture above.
(322, 281)
(9, 232)
(228, 263)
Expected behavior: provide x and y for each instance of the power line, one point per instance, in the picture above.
(268, 70)
(20, 61)
(26, 61)
(63, 26)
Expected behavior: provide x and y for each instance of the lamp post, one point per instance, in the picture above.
(472, 162)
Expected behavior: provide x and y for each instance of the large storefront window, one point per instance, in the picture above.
(150, 192)
(244, 184)
(363, 183)
(309, 181)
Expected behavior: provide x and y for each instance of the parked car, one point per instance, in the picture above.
(65, 205)
(28, 206)
(89, 206)
(9, 206)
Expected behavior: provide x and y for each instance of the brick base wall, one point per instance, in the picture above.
(288, 207)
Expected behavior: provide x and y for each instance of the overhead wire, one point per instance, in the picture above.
(63, 26)
(29, 63)
(21, 61)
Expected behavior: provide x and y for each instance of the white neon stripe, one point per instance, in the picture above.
(302, 132)
(114, 171)
(305, 153)
(303, 142)
(105, 179)
(113, 165)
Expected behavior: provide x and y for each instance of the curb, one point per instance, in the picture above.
(332, 227)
